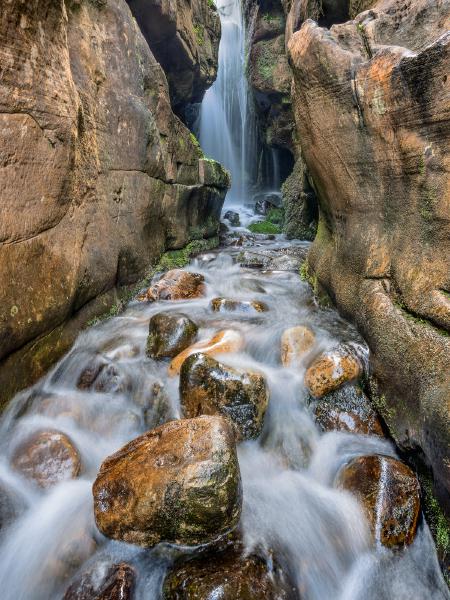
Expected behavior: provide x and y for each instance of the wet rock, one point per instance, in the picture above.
(169, 334)
(72, 553)
(47, 457)
(347, 409)
(390, 494)
(296, 343)
(227, 575)
(91, 372)
(111, 381)
(176, 285)
(158, 408)
(11, 505)
(331, 370)
(104, 582)
(208, 387)
(241, 306)
(264, 202)
(222, 342)
(232, 217)
(178, 483)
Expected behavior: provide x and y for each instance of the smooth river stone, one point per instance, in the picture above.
(178, 483)
(296, 343)
(169, 333)
(222, 342)
(390, 494)
(330, 370)
(208, 387)
(176, 285)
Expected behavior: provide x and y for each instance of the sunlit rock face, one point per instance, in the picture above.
(371, 109)
(97, 175)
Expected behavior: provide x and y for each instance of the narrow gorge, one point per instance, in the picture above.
(225, 318)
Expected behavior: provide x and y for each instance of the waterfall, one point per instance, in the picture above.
(228, 127)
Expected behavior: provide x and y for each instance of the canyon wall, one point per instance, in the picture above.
(98, 177)
(371, 99)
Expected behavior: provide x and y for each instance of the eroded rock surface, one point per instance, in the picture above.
(178, 483)
(92, 154)
(371, 107)
(208, 387)
(390, 494)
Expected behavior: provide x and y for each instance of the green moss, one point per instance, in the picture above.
(275, 216)
(196, 143)
(264, 227)
(199, 34)
(265, 63)
(436, 519)
(211, 4)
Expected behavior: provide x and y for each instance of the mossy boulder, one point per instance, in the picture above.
(169, 334)
(208, 387)
(390, 494)
(178, 483)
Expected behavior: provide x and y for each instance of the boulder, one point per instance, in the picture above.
(296, 343)
(208, 387)
(228, 575)
(374, 93)
(169, 333)
(178, 483)
(227, 305)
(332, 369)
(176, 284)
(390, 494)
(47, 457)
(222, 342)
(347, 409)
(103, 582)
(232, 217)
(264, 202)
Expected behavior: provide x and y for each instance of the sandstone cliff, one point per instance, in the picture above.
(371, 99)
(97, 175)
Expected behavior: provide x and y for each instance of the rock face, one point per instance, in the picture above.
(228, 575)
(390, 494)
(371, 107)
(178, 483)
(169, 334)
(331, 370)
(207, 387)
(117, 582)
(47, 457)
(176, 285)
(107, 176)
(184, 37)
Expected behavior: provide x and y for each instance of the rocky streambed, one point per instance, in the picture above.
(214, 441)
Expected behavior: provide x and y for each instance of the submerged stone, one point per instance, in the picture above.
(208, 387)
(390, 494)
(176, 284)
(347, 409)
(178, 483)
(232, 217)
(222, 342)
(104, 582)
(47, 457)
(169, 334)
(296, 343)
(330, 370)
(227, 305)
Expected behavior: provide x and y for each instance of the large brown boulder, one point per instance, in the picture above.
(371, 107)
(390, 494)
(184, 37)
(107, 176)
(178, 483)
(208, 387)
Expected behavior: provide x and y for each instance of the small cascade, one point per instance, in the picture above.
(228, 125)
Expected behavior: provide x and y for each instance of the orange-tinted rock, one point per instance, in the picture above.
(390, 494)
(331, 370)
(117, 582)
(227, 575)
(296, 342)
(169, 334)
(47, 457)
(208, 387)
(347, 409)
(227, 340)
(178, 483)
(228, 305)
(176, 285)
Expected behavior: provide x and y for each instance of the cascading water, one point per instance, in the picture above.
(228, 127)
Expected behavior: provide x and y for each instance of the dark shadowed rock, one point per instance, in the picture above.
(104, 582)
(347, 409)
(47, 457)
(227, 575)
(170, 333)
(208, 387)
(178, 483)
(390, 494)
